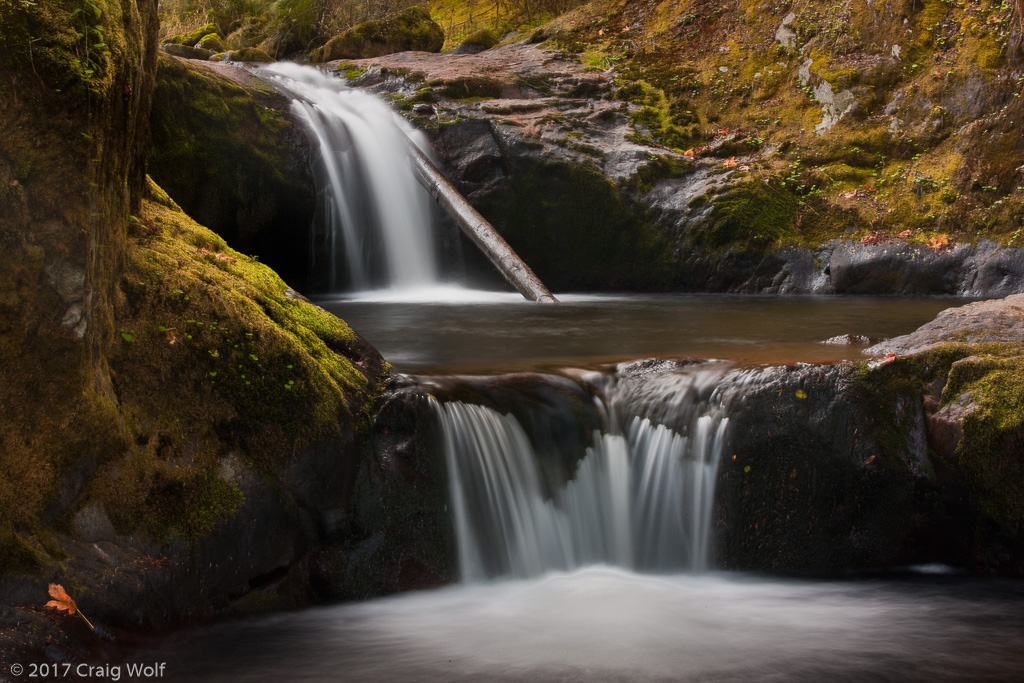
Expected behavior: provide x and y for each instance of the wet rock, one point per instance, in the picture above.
(998, 320)
(187, 51)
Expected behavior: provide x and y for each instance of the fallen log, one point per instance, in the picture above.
(476, 227)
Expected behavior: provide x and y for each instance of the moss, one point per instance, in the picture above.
(350, 71)
(259, 359)
(992, 450)
(410, 29)
(471, 87)
(18, 555)
(752, 215)
(191, 38)
(211, 42)
(244, 54)
(478, 41)
(657, 169)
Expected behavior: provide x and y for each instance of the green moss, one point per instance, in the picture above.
(657, 169)
(211, 42)
(18, 555)
(244, 54)
(410, 29)
(350, 71)
(483, 39)
(191, 38)
(471, 87)
(992, 450)
(750, 214)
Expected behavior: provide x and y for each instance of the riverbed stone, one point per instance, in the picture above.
(994, 320)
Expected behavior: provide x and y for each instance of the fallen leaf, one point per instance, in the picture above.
(938, 242)
(745, 168)
(730, 162)
(688, 153)
(906, 234)
(801, 394)
(62, 602)
(847, 195)
(225, 258)
(870, 460)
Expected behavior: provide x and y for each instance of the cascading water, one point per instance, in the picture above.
(640, 498)
(378, 228)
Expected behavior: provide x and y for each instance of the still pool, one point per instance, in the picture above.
(452, 330)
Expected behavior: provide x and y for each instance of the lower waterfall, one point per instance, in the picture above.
(640, 497)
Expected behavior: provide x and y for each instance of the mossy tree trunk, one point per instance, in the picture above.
(75, 91)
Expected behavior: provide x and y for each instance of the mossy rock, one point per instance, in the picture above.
(212, 42)
(478, 41)
(191, 38)
(469, 87)
(245, 54)
(750, 215)
(187, 51)
(233, 163)
(410, 29)
(251, 33)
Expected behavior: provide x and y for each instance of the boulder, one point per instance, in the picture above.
(995, 320)
(478, 41)
(410, 29)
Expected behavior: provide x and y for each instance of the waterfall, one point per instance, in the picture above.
(377, 220)
(640, 497)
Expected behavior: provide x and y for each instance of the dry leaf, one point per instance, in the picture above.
(938, 242)
(62, 602)
(906, 234)
(730, 162)
(226, 258)
(870, 460)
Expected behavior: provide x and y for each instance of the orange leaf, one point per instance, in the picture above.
(62, 602)
(730, 162)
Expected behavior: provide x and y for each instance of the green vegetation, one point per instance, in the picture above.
(410, 29)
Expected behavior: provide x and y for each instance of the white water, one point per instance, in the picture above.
(379, 226)
(640, 498)
(605, 624)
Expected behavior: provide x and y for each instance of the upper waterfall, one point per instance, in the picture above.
(378, 229)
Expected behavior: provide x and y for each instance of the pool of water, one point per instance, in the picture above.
(451, 330)
(605, 624)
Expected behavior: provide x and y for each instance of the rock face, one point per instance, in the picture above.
(410, 29)
(555, 157)
(231, 158)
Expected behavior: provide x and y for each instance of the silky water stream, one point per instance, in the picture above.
(584, 536)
